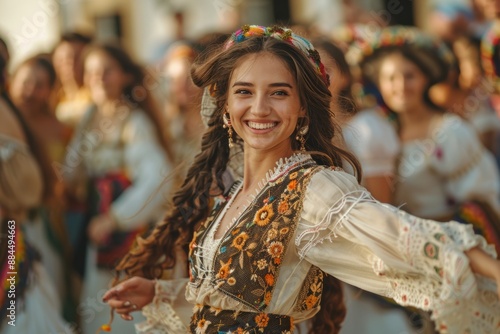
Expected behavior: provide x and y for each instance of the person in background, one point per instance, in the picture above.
(72, 98)
(370, 136)
(120, 155)
(490, 51)
(32, 86)
(182, 103)
(444, 172)
(24, 168)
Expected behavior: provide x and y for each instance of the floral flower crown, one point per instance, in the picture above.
(490, 54)
(430, 51)
(282, 34)
(394, 36)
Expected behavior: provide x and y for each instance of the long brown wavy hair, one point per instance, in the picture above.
(204, 178)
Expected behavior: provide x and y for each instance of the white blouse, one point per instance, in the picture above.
(447, 168)
(378, 248)
(374, 142)
(128, 143)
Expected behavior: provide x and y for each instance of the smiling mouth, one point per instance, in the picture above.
(261, 126)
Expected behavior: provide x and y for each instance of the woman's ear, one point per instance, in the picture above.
(302, 112)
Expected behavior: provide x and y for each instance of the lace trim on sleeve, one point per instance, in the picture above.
(161, 316)
(341, 208)
(461, 301)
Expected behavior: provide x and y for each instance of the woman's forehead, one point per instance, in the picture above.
(262, 66)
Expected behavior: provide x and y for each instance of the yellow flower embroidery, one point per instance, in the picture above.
(293, 175)
(284, 230)
(239, 241)
(224, 270)
(264, 215)
(231, 281)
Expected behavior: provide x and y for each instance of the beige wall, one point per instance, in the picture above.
(29, 27)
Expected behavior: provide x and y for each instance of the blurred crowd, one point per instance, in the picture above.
(93, 145)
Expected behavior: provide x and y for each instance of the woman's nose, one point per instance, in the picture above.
(260, 105)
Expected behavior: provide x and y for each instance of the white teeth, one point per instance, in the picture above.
(261, 126)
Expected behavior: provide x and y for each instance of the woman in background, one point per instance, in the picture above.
(23, 171)
(119, 153)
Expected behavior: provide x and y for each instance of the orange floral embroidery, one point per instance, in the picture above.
(292, 185)
(267, 298)
(283, 207)
(224, 270)
(269, 278)
(275, 249)
(293, 175)
(311, 301)
(262, 320)
(264, 215)
(231, 281)
(202, 326)
(284, 230)
(240, 240)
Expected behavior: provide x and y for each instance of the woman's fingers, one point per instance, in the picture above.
(123, 307)
(120, 288)
(111, 293)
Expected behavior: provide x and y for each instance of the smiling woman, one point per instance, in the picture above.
(264, 105)
(278, 261)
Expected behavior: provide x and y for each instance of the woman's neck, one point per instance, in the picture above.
(416, 117)
(256, 166)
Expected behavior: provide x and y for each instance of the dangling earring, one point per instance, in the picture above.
(227, 125)
(300, 137)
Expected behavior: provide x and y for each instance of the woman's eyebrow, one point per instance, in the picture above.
(274, 84)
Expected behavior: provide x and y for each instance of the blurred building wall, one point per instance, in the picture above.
(29, 27)
(146, 27)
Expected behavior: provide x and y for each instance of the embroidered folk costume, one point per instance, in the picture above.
(265, 274)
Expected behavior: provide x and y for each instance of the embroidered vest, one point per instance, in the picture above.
(247, 262)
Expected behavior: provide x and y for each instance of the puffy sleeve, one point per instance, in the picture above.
(169, 312)
(469, 170)
(374, 142)
(147, 165)
(379, 248)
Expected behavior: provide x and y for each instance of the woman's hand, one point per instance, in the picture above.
(100, 228)
(130, 295)
(483, 264)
